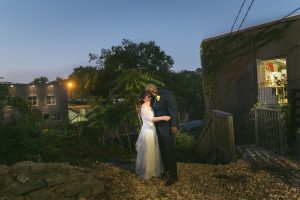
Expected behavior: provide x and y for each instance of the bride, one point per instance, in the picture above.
(148, 161)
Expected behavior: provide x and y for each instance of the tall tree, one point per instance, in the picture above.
(129, 86)
(58, 80)
(84, 80)
(143, 56)
(187, 87)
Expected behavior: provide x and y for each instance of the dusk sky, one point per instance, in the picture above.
(52, 37)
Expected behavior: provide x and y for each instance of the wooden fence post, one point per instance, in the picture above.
(231, 138)
(256, 126)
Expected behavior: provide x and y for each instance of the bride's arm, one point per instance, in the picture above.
(161, 118)
(150, 117)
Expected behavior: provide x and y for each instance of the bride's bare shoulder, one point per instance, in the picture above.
(145, 106)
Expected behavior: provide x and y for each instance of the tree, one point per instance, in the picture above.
(3, 98)
(143, 56)
(119, 112)
(58, 80)
(85, 80)
(42, 80)
(129, 86)
(187, 87)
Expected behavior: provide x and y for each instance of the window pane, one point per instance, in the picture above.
(272, 81)
(50, 100)
(32, 100)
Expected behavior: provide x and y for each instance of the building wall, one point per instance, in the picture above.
(60, 108)
(236, 88)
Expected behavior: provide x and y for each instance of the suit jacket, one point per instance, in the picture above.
(167, 105)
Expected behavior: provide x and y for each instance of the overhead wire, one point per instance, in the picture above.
(280, 20)
(237, 16)
(291, 13)
(245, 15)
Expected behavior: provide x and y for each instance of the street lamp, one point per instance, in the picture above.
(70, 85)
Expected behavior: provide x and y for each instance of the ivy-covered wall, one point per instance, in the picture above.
(229, 63)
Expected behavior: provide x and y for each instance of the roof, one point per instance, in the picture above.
(252, 28)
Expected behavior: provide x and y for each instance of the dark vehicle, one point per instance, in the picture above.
(191, 126)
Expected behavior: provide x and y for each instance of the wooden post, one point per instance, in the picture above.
(256, 125)
(231, 138)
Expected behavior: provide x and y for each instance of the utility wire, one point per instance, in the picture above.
(246, 15)
(291, 13)
(288, 15)
(280, 20)
(241, 22)
(237, 16)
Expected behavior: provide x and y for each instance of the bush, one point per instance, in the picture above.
(185, 145)
(18, 142)
(56, 142)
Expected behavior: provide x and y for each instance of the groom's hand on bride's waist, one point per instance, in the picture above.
(174, 130)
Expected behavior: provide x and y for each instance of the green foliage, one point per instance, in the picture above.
(58, 142)
(291, 137)
(3, 98)
(42, 80)
(65, 144)
(143, 56)
(185, 145)
(18, 142)
(115, 85)
(129, 86)
(187, 87)
(85, 80)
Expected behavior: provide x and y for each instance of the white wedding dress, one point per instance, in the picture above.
(148, 160)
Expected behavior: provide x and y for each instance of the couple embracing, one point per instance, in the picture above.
(155, 145)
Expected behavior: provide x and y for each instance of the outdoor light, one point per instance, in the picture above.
(70, 84)
(11, 86)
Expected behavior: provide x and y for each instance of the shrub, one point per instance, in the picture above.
(18, 142)
(185, 145)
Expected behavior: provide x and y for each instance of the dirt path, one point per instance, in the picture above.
(274, 178)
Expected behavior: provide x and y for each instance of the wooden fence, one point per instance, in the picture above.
(263, 126)
(217, 138)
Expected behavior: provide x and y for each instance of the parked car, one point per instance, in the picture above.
(191, 126)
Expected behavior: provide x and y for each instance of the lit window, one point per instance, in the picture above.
(50, 100)
(272, 81)
(32, 100)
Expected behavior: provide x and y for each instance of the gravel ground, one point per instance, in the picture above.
(239, 180)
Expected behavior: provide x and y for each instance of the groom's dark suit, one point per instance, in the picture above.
(166, 105)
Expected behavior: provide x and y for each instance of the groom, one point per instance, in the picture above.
(164, 103)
